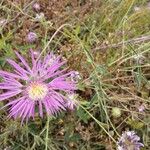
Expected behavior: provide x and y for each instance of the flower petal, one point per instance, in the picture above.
(23, 61)
(17, 67)
(8, 74)
(62, 85)
(9, 94)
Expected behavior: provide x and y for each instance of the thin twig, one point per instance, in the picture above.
(133, 41)
(48, 43)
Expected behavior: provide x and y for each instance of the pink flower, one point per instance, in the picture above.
(40, 88)
(36, 6)
(31, 37)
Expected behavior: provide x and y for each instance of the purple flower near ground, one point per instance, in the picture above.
(42, 87)
(36, 6)
(141, 108)
(129, 141)
(75, 76)
(31, 37)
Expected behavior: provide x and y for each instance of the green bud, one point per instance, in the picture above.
(116, 112)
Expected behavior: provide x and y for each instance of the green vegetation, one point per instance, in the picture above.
(108, 43)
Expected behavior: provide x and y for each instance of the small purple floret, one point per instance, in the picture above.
(129, 141)
(75, 76)
(36, 6)
(31, 37)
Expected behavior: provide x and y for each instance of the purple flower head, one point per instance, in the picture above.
(129, 141)
(75, 76)
(31, 37)
(36, 6)
(40, 88)
(141, 108)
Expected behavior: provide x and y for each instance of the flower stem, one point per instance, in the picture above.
(58, 30)
(47, 131)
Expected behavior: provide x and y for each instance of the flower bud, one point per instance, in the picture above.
(116, 112)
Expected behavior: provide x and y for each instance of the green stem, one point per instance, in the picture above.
(48, 43)
(27, 136)
(98, 122)
(47, 131)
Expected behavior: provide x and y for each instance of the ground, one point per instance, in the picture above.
(108, 43)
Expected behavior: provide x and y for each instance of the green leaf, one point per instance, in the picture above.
(83, 115)
(135, 124)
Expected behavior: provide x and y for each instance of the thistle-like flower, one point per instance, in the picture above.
(31, 37)
(129, 141)
(41, 88)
